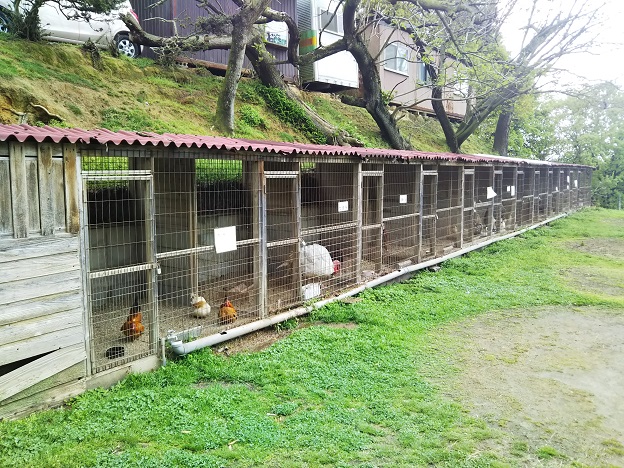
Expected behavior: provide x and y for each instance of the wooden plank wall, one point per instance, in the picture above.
(42, 344)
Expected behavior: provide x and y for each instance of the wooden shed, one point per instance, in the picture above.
(95, 225)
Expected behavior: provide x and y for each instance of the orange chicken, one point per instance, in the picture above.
(132, 327)
(227, 312)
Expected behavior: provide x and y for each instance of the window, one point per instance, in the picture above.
(396, 58)
(423, 76)
(331, 22)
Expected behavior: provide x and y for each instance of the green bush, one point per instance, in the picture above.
(291, 113)
(252, 117)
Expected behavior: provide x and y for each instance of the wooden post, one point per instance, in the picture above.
(46, 198)
(260, 218)
(358, 187)
(297, 232)
(379, 212)
(19, 190)
(461, 204)
(72, 192)
(421, 197)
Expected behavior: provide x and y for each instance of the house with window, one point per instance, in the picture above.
(320, 24)
(404, 76)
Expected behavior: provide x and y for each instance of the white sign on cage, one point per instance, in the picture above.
(225, 239)
(575, 183)
(509, 188)
(513, 190)
(402, 199)
(490, 193)
(343, 206)
(568, 179)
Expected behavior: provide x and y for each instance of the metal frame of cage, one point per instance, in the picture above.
(402, 212)
(165, 226)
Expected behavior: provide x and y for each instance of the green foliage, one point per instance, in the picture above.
(587, 129)
(251, 117)
(547, 452)
(291, 113)
(7, 68)
(290, 324)
(133, 119)
(74, 108)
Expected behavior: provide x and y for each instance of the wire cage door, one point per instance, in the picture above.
(121, 266)
(283, 218)
(429, 215)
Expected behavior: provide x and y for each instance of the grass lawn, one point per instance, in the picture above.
(327, 394)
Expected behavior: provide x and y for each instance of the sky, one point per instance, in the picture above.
(604, 62)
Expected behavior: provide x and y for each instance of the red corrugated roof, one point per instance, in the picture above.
(23, 133)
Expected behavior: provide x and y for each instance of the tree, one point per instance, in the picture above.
(590, 130)
(461, 46)
(531, 131)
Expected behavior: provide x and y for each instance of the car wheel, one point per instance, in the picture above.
(126, 47)
(4, 23)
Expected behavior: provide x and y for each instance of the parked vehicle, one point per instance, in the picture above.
(65, 25)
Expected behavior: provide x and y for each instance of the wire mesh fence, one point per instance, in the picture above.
(206, 244)
(401, 215)
(199, 245)
(118, 207)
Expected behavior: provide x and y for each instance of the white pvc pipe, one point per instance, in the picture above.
(180, 348)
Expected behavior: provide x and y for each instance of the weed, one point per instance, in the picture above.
(546, 452)
(74, 108)
(251, 116)
(290, 324)
(290, 112)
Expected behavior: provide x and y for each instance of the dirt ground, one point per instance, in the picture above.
(549, 380)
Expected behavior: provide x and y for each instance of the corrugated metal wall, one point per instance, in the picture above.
(185, 11)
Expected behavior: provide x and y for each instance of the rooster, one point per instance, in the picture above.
(201, 308)
(132, 327)
(227, 312)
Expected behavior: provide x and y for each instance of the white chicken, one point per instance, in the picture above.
(201, 308)
(316, 261)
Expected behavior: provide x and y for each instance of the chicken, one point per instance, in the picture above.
(132, 327)
(201, 308)
(316, 261)
(227, 312)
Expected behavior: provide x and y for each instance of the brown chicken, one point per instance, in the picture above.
(132, 327)
(227, 312)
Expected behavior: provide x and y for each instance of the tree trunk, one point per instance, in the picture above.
(371, 81)
(484, 108)
(445, 122)
(268, 73)
(438, 107)
(501, 136)
(243, 26)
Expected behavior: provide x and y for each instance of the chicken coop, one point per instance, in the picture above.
(118, 246)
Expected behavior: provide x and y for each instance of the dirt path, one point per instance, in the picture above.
(550, 380)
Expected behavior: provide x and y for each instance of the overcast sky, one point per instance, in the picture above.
(606, 62)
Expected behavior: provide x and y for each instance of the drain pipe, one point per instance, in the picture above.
(181, 348)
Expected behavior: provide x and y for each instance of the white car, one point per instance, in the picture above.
(62, 24)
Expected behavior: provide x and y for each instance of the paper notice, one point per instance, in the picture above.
(343, 206)
(490, 193)
(403, 199)
(225, 239)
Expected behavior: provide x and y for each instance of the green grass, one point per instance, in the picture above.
(324, 395)
(139, 95)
